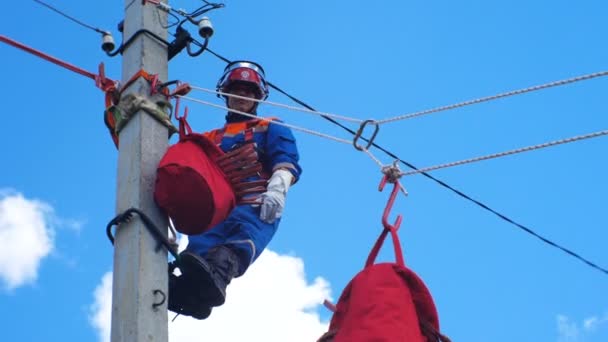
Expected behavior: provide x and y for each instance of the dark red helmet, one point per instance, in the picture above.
(244, 72)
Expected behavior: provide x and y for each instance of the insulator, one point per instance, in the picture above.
(107, 44)
(205, 29)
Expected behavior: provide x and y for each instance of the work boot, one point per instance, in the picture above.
(184, 297)
(211, 274)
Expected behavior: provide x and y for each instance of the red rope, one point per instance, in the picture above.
(47, 57)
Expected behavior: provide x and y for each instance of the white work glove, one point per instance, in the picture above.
(273, 200)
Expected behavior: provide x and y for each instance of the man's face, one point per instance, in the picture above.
(241, 104)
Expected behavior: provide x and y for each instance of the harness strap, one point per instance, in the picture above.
(248, 134)
(244, 152)
(151, 78)
(244, 185)
(244, 174)
(242, 163)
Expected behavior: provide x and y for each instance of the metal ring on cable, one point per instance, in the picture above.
(370, 141)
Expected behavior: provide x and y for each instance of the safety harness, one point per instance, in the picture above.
(243, 162)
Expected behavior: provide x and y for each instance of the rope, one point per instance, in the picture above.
(133, 103)
(424, 112)
(322, 135)
(299, 109)
(429, 176)
(507, 153)
(305, 130)
(376, 160)
(47, 57)
(495, 97)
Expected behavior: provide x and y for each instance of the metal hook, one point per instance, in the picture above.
(177, 117)
(389, 204)
(102, 82)
(154, 85)
(162, 301)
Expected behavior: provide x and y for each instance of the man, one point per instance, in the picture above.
(224, 252)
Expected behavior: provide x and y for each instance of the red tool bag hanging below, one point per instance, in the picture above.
(190, 187)
(385, 302)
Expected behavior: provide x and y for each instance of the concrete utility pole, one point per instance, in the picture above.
(139, 271)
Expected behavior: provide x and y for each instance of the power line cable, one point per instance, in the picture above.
(433, 110)
(438, 181)
(280, 105)
(71, 18)
(367, 151)
(297, 128)
(392, 155)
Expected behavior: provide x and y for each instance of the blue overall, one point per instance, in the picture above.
(243, 230)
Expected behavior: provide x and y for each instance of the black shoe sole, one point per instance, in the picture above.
(197, 313)
(182, 301)
(198, 271)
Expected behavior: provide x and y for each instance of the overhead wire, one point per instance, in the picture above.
(71, 18)
(507, 153)
(436, 180)
(280, 105)
(432, 110)
(206, 8)
(495, 97)
(170, 13)
(403, 117)
(297, 128)
(161, 6)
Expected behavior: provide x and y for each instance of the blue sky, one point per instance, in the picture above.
(490, 281)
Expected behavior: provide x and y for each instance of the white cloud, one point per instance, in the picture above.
(593, 323)
(571, 331)
(272, 300)
(27, 235)
(590, 323)
(101, 309)
(70, 224)
(568, 331)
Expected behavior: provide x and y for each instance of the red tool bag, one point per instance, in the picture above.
(385, 302)
(190, 187)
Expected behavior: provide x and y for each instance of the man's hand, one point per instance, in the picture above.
(273, 200)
